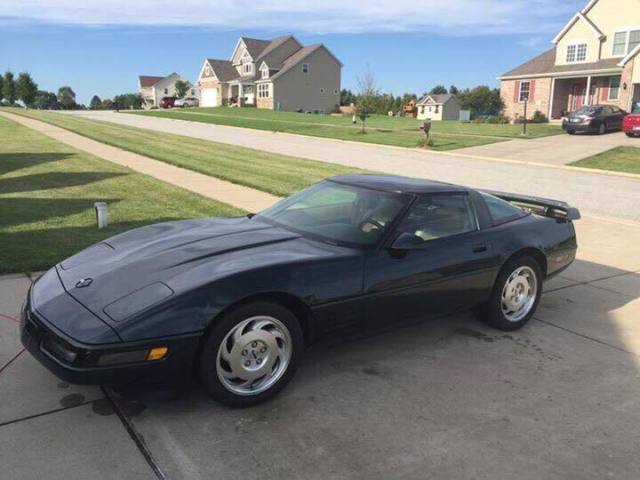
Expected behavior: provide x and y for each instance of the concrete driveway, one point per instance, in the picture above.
(442, 399)
(555, 150)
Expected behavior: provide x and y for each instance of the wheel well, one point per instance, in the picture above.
(536, 254)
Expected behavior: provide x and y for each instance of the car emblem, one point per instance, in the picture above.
(85, 282)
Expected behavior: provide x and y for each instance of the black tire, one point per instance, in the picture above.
(602, 129)
(212, 344)
(492, 312)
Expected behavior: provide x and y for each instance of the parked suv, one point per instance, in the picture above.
(631, 124)
(186, 102)
(594, 119)
(167, 102)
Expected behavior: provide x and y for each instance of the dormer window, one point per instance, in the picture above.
(265, 72)
(577, 53)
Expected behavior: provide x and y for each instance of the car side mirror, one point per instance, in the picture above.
(407, 241)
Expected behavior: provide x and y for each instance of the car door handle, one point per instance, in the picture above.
(479, 247)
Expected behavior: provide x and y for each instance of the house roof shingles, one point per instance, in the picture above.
(148, 80)
(438, 98)
(255, 46)
(296, 58)
(224, 69)
(545, 64)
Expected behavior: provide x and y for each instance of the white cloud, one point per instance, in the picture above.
(452, 17)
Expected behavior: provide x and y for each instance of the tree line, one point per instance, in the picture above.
(24, 89)
(480, 100)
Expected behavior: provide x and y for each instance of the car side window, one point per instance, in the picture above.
(438, 216)
(500, 210)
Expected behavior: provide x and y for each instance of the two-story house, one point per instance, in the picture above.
(153, 88)
(595, 60)
(279, 74)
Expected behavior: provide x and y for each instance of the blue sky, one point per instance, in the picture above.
(101, 47)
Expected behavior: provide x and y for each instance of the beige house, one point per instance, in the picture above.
(278, 74)
(438, 107)
(595, 60)
(153, 88)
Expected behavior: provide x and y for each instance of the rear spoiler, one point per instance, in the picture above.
(540, 206)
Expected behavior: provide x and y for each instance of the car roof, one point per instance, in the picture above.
(397, 184)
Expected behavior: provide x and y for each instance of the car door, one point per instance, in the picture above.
(439, 262)
(617, 116)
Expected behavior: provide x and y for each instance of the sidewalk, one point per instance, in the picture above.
(230, 193)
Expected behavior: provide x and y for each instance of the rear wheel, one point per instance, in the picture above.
(602, 129)
(251, 354)
(515, 294)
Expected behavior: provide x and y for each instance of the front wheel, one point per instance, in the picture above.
(515, 294)
(251, 354)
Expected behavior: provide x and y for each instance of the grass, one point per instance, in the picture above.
(47, 191)
(269, 172)
(620, 159)
(397, 131)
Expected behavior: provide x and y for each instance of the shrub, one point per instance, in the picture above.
(497, 119)
(539, 117)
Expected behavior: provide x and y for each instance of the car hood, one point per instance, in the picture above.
(134, 270)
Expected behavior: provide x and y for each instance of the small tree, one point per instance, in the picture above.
(95, 103)
(9, 88)
(46, 101)
(1, 83)
(453, 90)
(438, 90)
(181, 88)
(366, 96)
(67, 98)
(26, 89)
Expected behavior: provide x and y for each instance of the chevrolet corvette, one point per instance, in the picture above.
(235, 301)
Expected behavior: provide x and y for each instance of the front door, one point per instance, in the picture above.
(439, 263)
(577, 96)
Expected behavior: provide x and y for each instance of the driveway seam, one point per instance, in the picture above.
(48, 412)
(137, 438)
(11, 360)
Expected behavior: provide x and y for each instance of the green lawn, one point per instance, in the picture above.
(398, 131)
(47, 191)
(621, 159)
(278, 174)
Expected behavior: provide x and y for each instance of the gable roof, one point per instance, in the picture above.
(571, 23)
(255, 46)
(223, 69)
(300, 55)
(437, 99)
(274, 56)
(148, 80)
(544, 64)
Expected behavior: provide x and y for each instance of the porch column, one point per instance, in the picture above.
(553, 93)
(240, 102)
(588, 95)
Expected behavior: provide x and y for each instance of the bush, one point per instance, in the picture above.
(538, 117)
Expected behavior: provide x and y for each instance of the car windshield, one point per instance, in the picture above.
(338, 213)
(587, 110)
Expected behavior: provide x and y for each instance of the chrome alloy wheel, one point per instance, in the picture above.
(519, 294)
(254, 355)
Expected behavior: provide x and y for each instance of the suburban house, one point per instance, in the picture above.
(153, 88)
(438, 107)
(279, 74)
(595, 60)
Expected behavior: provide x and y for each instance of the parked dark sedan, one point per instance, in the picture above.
(594, 119)
(167, 102)
(236, 300)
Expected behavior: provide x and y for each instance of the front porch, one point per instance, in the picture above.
(241, 94)
(572, 93)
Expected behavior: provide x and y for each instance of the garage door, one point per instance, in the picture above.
(209, 97)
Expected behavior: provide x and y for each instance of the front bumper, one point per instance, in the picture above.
(47, 344)
(581, 127)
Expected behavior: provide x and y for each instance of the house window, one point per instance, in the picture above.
(335, 91)
(265, 73)
(321, 90)
(247, 68)
(625, 42)
(305, 68)
(523, 94)
(166, 91)
(263, 90)
(614, 88)
(207, 71)
(437, 108)
(577, 53)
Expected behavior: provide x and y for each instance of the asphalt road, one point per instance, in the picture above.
(594, 193)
